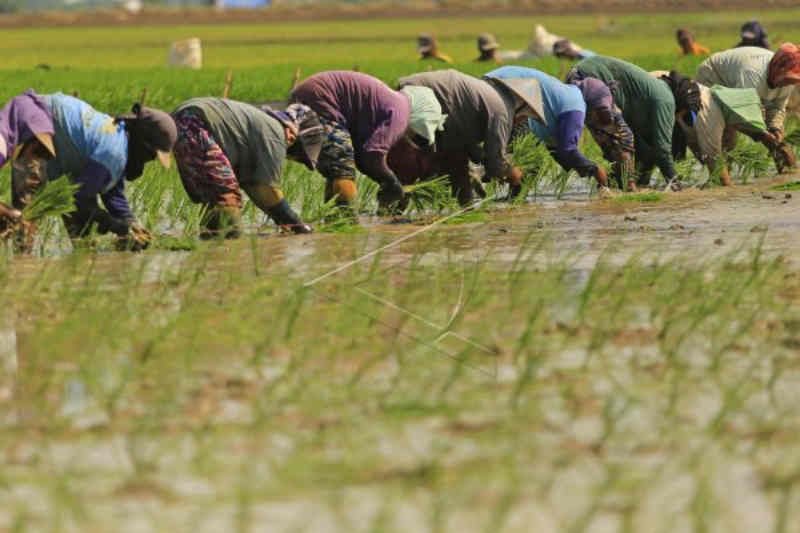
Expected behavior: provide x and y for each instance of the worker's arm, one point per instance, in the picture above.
(661, 147)
(271, 200)
(374, 165)
(775, 112)
(568, 136)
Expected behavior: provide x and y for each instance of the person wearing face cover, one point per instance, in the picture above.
(57, 135)
(753, 34)
(480, 118)
(647, 106)
(773, 76)
(225, 146)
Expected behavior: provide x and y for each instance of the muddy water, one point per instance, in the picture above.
(691, 225)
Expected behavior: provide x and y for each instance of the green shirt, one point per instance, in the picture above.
(647, 106)
(254, 142)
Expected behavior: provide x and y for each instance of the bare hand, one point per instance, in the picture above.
(602, 177)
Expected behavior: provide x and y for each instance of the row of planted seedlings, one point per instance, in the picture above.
(612, 384)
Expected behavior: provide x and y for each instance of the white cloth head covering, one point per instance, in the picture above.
(426, 112)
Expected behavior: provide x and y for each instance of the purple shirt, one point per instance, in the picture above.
(375, 115)
(21, 118)
(93, 180)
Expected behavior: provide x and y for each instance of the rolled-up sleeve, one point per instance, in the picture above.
(775, 107)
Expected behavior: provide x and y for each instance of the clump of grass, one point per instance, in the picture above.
(429, 195)
(470, 217)
(749, 160)
(791, 186)
(640, 197)
(174, 244)
(56, 198)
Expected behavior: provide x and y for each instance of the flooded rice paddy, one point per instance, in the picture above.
(568, 365)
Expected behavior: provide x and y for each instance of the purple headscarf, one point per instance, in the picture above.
(21, 119)
(596, 93)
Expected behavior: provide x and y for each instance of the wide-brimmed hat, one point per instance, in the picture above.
(526, 88)
(486, 42)
(152, 129)
(425, 43)
(306, 126)
(426, 112)
(311, 135)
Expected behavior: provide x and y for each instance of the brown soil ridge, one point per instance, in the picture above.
(279, 13)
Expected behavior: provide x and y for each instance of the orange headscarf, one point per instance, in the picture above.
(784, 68)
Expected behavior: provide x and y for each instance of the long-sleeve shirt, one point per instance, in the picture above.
(253, 141)
(565, 113)
(479, 117)
(93, 181)
(708, 130)
(746, 68)
(375, 115)
(92, 150)
(647, 106)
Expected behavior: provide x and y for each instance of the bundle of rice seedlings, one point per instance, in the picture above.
(430, 195)
(56, 198)
(749, 159)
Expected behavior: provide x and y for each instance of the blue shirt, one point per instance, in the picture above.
(92, 150)
(564, 112)
(86, 134)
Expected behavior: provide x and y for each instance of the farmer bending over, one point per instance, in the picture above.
(363, 118)
(225, 146)
(55, 135)
(703, 116)
(772, 75)
(480, 119)
(561, 126)
(647, 106)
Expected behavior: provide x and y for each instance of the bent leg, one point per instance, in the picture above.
(207, 175)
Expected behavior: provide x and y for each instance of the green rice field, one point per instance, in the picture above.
(563, 363)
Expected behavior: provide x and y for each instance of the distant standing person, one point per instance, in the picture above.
(224, 147)
(772, 75)
(428, 48)
(753, 34)
(56, 135)
(363, 118)
(647, 106)
(488, 49)
(688, 45)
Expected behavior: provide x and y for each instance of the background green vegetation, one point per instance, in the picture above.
(600, 387)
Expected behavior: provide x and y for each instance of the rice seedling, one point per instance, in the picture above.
(543, 369)
(639, 197)
(791, 186)
(429, 196)
(56, 198)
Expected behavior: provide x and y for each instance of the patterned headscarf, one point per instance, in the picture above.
(304, 123)
(784, 68)
(595, 93)
(616, 138)
(291, 117)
